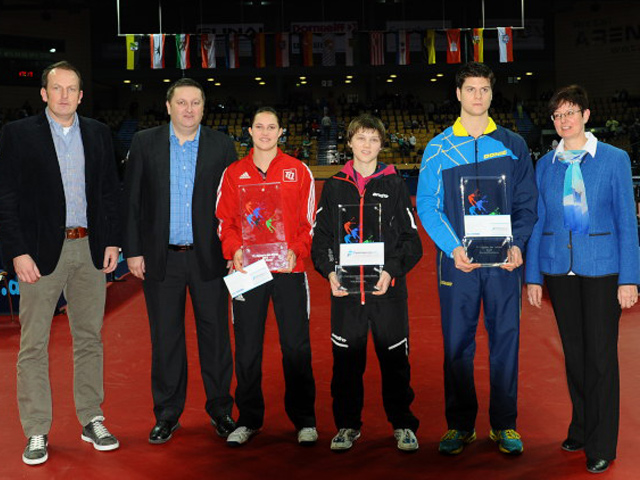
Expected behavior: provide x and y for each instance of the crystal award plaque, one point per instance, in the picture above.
(361, 247)
(487, 225)
(263, 233)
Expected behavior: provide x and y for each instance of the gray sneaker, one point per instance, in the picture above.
(307, 436)
(407, 441)
(35, 452)
(345, 439)
(240, 436)
(95, 432)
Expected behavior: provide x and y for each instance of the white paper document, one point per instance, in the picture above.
(257, 274)
(371, 253)
(487, 225)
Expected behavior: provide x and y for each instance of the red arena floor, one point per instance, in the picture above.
(196, 452)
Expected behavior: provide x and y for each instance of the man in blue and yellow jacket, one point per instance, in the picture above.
(476, 147)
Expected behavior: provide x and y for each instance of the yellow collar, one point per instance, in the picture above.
(460, 131)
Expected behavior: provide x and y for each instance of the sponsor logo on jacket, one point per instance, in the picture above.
(290, 175)
(495, 154)
(381, 195)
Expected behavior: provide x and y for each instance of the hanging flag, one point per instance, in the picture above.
(403, 45)
(505, 42)
(233, 53)
(157, 50)
(133, 51)
(453, 45)
(430, 46)
(348, 49)
(377, 48)
(282, 49)
(328, 50)
(208, 50)
(182, 48)
(478, 45)
(259, 46)
(307, 49)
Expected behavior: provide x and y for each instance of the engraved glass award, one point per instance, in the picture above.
(487, 225)
(263, 234)
(361, 247)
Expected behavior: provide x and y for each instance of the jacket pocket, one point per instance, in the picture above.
(547, 245)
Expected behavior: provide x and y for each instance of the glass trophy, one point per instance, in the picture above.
(361, 247)
(487, 225)
(263, 234)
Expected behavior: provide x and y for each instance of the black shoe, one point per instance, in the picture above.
(162, 431)
(597, 465)
(224, 425)
(571, 445)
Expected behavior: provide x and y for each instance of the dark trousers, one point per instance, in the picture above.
(290, 295)
(389, 321)
(588, 314)
(166, 303)
(461, 295)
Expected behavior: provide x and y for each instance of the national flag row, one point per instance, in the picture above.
(457, 41)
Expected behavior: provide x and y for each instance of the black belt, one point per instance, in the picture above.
(181, 248)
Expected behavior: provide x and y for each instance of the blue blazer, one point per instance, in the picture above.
(611, 246)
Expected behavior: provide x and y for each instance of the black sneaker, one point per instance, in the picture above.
(224, 425)
(35, 452)
(95, 432)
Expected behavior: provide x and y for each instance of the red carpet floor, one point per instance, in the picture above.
(196, 452)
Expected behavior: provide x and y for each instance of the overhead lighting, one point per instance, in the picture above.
(303, 78)
(209, 79)
(349, 77)
(297, 84)
(389, 80)
(52, 50)
(217, 84)
(166, 80)
(528, 74)
(262, 83)
(393, 75)
(439, 75)
(303, 82)
(433, 80)
(518, 78)
(257, 79)
(127, 81)
(347, 81)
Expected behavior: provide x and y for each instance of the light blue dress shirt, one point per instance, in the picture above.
(70, 153)
(182, 173)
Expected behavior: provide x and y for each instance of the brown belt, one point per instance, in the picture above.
(180, 248)
(75, 233)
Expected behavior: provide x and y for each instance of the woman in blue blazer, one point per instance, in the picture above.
(585, 247)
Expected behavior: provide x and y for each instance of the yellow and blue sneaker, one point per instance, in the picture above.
(453, 442)
(509, 441)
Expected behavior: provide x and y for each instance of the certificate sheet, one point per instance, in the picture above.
(368, 253)
(257, 274)
(487, 225)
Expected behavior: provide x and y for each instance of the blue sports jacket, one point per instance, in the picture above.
(612, 243)
(454, 154)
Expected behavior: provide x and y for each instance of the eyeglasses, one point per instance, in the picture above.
(560, 116)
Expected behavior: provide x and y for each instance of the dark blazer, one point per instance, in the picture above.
(32, 202)
(147, 197)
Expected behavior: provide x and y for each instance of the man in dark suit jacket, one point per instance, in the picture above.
(59, 229)
(170, 242)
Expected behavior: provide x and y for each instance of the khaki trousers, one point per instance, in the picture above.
(84, 287)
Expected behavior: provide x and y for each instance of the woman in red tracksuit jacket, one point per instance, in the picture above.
(364, 182)
(266, 164)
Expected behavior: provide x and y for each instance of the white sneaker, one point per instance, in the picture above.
(240, 436)
(407, 441)
(307, 436)
(345, 439)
